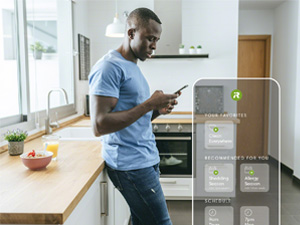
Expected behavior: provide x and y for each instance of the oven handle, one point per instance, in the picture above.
(173, 138)
(168, 182)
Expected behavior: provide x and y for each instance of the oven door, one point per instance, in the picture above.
(175, 151)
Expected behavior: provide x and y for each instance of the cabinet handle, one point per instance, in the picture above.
(169, 182)
(104, 198)
(173, 138)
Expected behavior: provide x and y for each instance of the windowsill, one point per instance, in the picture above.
(37, 130)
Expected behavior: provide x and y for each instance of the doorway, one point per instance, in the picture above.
(253, 62)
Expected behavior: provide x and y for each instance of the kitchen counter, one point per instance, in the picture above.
(203, 119)
(50, 195)
(170, 119)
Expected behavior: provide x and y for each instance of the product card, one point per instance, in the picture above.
(254, 177)
(218, 215)
(219, 135)
(254, 215)
(219, 178)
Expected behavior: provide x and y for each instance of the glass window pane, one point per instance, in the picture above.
(48, 55)
(9, 85)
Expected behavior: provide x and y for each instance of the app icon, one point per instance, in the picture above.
(236, 95)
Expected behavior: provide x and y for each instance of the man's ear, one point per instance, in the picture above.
(131, 33)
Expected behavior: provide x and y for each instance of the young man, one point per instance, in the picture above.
(122, 110)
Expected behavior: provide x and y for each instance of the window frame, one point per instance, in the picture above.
(34, 120)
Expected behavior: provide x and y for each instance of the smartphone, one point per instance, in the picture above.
(185, 86)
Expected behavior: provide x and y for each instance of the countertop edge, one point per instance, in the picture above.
(83, 191)
(50, 218)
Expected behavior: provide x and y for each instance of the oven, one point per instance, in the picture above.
(174, 143)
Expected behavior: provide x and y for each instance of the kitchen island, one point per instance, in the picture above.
(50, 195)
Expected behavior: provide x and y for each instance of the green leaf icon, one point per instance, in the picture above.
(251, 172)
(216, 172)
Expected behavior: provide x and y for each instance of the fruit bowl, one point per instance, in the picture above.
(38, 161)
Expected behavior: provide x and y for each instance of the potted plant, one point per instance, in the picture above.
(181, 49)
(192, 50)
(50, 53)
(37, 50)
(199, 49)
(15, 140)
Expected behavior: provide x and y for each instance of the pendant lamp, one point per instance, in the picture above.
(115, 29)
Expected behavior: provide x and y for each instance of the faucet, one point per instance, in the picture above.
(48, 124)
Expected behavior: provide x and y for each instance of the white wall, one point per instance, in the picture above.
(297, 110)
(285, 72)
(90, 19)
(169, 12)
(201, 24)
(80, 21)
(253, 22)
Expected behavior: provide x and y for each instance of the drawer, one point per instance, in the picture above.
(177, 188)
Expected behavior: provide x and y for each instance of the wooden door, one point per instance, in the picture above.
(253, 62)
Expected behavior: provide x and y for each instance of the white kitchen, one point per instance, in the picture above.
(47, 49)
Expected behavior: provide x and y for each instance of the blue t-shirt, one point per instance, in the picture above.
(133, 147)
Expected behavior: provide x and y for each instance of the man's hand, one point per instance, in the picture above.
(159, 101)
(168, 109)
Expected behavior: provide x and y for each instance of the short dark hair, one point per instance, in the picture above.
(141, 16)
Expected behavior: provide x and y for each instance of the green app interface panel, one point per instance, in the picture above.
(236, 152)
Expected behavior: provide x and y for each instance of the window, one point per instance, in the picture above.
(36, 47)
(49, 55)
(9, 85)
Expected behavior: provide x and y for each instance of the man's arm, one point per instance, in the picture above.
(105, 121)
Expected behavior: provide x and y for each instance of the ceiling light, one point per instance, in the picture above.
(115, 29)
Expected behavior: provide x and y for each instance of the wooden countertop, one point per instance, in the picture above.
(203, 119)
(172, 120)
(86, 122)
(198, 119)
(47, 196)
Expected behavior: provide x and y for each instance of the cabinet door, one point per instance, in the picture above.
(177, 188)
(122, 212)
(88, 209)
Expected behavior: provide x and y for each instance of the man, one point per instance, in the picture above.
(122, 110)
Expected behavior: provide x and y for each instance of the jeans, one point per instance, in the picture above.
(143, 193)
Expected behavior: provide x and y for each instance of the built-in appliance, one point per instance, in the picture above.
(174, 143)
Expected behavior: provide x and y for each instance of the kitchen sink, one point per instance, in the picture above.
(77, 134)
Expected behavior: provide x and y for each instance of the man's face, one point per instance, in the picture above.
(145, 39)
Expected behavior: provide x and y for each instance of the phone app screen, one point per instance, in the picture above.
(236, 152)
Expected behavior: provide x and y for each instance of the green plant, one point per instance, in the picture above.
(15, 135)
(192, 47)
(38, 47)
(50, 49)
(199, 46)
(181, 46)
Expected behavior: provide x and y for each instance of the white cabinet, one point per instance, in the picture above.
(118, 210)
(103, 204)
(88, 210)
(122, 212)
(177, 188)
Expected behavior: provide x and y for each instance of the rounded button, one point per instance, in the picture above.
(155, 127)
(180, 127)
(168, 128)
